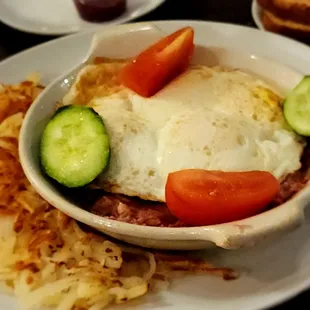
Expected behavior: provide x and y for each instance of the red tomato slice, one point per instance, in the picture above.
(155, 67)
(201, 197)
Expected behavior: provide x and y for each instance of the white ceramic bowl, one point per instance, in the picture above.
(212, 48)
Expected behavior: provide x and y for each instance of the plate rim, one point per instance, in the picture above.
(256, 11)
(153, 4)
(272, 301)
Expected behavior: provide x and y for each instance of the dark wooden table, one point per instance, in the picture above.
(231, 11)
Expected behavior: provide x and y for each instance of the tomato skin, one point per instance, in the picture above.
(155, 67)
(200, 197)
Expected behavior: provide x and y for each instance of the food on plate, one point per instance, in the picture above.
(69, 129)
(200, 197)
(287, 17)
(155, 67)
(296, 107)
(99, 11)
(224, 121)
(296, 10)
(47, 259)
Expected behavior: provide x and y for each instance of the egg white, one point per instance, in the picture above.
(206, 118)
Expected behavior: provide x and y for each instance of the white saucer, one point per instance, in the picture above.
(58, 17)
(257, 15)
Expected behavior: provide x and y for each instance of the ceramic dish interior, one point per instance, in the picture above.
(111, 43)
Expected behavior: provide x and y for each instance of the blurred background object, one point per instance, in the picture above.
(62, 17)
(237, 12)
(100, 10)
(287, 17)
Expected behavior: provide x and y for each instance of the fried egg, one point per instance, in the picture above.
(207, 118)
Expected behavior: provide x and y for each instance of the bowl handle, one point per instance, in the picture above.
(250, 231)
(129, 38)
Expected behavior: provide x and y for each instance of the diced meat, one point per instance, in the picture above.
(135, 211)
(296, 181)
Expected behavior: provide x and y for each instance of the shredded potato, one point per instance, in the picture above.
(46, 259)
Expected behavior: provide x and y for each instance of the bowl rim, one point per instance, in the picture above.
(216, 233)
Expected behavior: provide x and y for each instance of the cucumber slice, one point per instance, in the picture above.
(296, 108)
(75, 146)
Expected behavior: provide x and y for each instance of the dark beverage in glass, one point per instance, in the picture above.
(100, 10)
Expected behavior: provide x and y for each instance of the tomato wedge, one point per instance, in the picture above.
(155, 67)
(200, 197)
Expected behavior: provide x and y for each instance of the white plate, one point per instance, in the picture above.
(276, 270)
(257, 14)
(57, 17)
